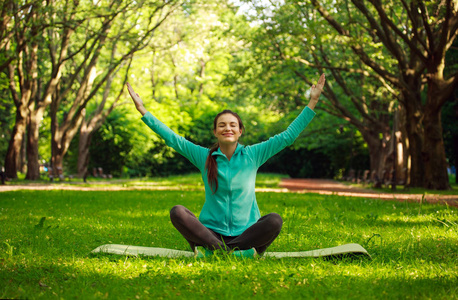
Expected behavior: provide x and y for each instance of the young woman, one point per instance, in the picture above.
(230, 217)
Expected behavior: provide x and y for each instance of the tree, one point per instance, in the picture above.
(6, 115)
(190, 54)
(92, 123)
(20, 32)
(112, 32)
(72, 40)
(417, 35)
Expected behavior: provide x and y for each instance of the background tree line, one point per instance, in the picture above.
(391, 72)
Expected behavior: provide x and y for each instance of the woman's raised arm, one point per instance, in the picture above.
(197, 155)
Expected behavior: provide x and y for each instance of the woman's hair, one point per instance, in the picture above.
(210, 164)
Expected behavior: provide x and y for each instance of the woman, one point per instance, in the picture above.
(230, 217)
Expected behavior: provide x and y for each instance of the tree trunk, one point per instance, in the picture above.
(15, 143)
(412, 107)
(455, 154)
(22, 159)
(378, 159)
(60, 142)
(57, 157)
(434, 158)
(455, 143)
(425, 142)
(381, 153)
(83, 151)
(414, 138)
(33, 164)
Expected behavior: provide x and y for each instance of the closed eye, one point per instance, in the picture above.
(224, 124)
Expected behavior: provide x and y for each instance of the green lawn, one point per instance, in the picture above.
(414, 249)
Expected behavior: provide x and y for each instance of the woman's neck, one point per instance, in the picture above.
(228, 149)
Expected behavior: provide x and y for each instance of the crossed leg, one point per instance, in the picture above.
(260, 235)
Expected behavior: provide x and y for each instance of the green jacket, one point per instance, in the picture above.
(233, 208)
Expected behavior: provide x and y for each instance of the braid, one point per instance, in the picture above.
(212, 169)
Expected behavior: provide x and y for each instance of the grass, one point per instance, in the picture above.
(46, 238)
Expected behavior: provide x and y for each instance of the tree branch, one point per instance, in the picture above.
(450, 22)
(341, 82)
(387, 23)
(357, 49)
(411, 13)
(425, 19)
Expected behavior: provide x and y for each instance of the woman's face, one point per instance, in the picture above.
(227, 129)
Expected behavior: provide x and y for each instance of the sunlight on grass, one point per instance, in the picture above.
(46, 238)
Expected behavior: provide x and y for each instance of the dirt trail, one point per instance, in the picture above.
(331, 187)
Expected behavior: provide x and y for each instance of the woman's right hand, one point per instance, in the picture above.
(315, 92)
(137, 100)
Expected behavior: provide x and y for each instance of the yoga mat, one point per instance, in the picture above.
(343, 250)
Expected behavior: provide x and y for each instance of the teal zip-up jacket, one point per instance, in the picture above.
(233, 208)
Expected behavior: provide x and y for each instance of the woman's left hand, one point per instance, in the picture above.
(137, 100)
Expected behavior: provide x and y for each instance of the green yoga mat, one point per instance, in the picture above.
(339, 251)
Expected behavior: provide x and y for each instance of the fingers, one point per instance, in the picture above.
(137, 100)
(316, 91)
(318, 88)
(321, 81)
(131, 91)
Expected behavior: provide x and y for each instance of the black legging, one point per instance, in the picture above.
(259, 235)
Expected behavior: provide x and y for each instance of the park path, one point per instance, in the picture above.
(331, 187)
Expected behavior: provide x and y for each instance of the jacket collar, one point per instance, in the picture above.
(240, 148)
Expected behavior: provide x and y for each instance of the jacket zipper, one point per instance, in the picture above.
(229, 210)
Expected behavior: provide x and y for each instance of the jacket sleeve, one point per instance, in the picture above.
(196, 154)
(261, 152)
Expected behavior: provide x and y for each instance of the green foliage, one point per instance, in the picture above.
(414, 252)
(6, 117)
(205, 57)
(111, 144)
(190, 79)
(294, 45)
(301, 163)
